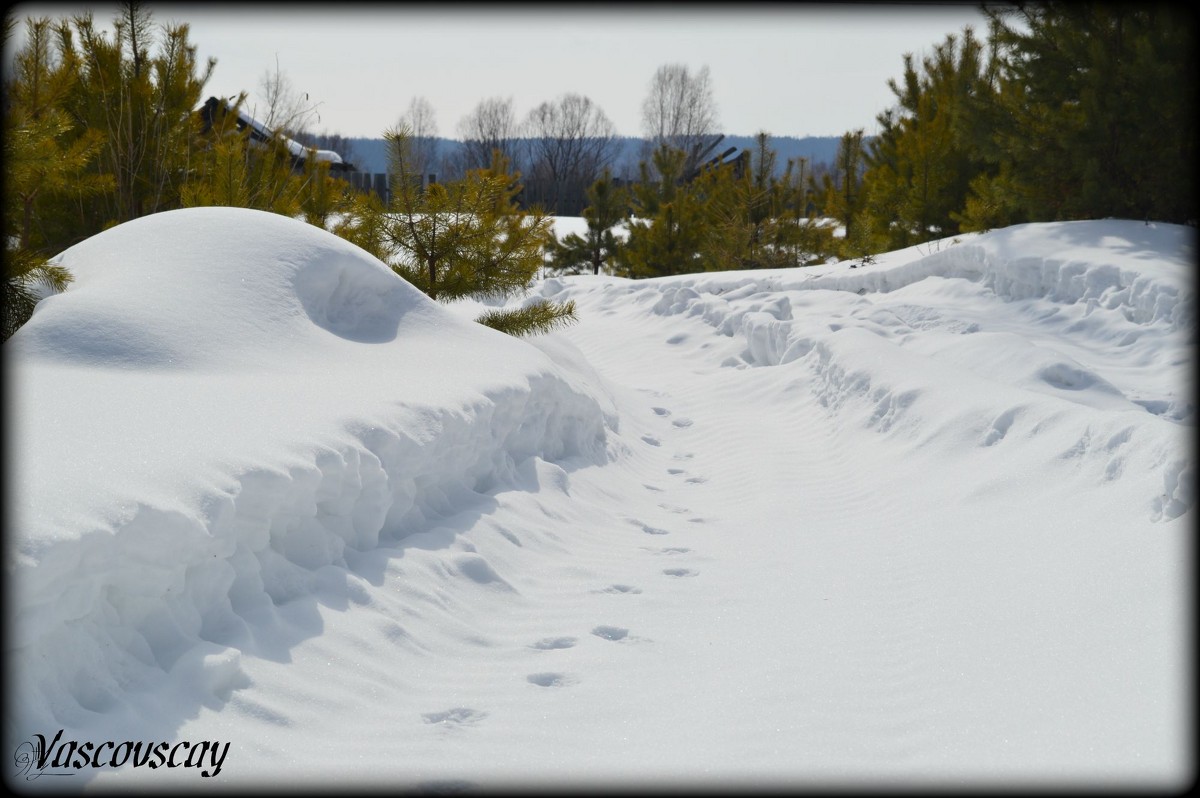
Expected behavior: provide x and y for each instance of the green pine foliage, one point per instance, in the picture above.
(845, 198)
(362, 224)
(235, 171)
(139, 88)
(24, 271)
(464, 238)
(1096, 110)
(921, 165)
(1069, 111)
(992, 202)
(807, 240)
(46, 161)
(323, 198)
(534, 318)
(100, 129)
(735, 215)
(608, 206)
(670, 223)
(230, 169)
(764, 221)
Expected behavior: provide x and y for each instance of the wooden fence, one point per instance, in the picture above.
(375, 182)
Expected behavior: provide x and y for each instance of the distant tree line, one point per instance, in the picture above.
(1064, 111)
(369, 154)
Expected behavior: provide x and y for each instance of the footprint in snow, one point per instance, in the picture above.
(649, 530)
(510, 537)
(458, 716)
(682, 422)
(553, 643)
(661, 411)
(550, 679)
(679, 572)
(652, 488)
(650, 439)
(674, 508)
(620, 589)
(611, 632)
(675, 471)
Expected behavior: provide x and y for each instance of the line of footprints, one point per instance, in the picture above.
(618, 633)
(465, 717)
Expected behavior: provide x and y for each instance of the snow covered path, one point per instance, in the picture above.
(886, 610)
(926, 522)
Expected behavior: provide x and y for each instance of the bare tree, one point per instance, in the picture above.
(490, 126)
(421, 123)
(285, 109)
(570, 142)
(679, 111)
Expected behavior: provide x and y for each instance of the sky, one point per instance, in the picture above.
(925, 521)
(788, 69)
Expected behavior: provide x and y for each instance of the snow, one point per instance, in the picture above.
(577, 225)
(294, 147)
(922, 522)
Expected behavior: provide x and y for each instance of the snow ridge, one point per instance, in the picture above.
(1161, 293)
(170, 591)
(893, 361)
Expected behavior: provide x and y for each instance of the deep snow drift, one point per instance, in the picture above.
(919, 521)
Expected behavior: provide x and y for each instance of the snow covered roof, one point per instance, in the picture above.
(260, 132)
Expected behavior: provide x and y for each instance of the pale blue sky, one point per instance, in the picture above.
(790, 69)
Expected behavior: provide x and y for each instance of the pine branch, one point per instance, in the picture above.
(534, 319)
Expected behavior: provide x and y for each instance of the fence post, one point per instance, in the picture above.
(381, 188)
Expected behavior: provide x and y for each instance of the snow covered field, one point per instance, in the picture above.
(924, 522)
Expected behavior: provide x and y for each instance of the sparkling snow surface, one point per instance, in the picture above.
(921, 522)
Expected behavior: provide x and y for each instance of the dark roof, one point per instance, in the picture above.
(259, 132)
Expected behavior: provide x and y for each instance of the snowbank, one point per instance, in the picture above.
(1098, 328)
(222, 406)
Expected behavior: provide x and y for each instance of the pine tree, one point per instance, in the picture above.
(761, 228)
(1095, 113)
(607, 206)
(230, 168)
(464, 238)
(807, 240)
(46, 154)
(323, 195)
(666, 235)
(844, 196)
(140, 90)
(921, 164)
(45, 161)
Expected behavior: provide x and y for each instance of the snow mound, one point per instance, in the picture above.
(235, 286)
(216, 415)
